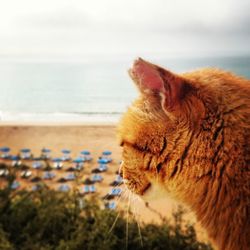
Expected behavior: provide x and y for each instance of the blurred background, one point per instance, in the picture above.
(67, 60)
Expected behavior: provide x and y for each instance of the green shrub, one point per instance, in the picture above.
(47, 219)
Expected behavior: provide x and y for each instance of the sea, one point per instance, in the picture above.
(84, 91)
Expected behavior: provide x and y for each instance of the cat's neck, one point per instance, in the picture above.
(222, 212)
(217, 190)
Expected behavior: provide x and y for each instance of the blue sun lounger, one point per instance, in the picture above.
(103, 161)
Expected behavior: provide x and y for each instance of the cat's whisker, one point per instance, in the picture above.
(123, 196)
(127, 224)
(134, 209)
(139, 230)
(114, 223)
(135, 213)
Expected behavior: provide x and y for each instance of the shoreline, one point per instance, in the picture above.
(57, 123)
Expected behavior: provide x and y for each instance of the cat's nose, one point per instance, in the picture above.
(120, 171)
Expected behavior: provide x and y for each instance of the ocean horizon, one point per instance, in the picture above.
(81, 91)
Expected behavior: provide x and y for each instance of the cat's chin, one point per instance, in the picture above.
(154, 192)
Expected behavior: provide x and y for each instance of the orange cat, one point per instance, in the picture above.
(189, 135)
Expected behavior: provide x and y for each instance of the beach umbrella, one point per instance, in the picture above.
(85, 152)
(103, 161)
(25, 150)
(4, 149)
(25, 153)
(46, 150)
(78, 163)
(15, 160)
(66, 154)
(14, 157)
(58, 163)
(57, 159)
(106, 152)
(46, 153)
(78, 160)
(5, 152)
(105, 155)
(66, 151)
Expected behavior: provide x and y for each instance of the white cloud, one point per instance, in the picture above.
(80, 27)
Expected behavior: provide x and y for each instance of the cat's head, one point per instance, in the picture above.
(155, 129)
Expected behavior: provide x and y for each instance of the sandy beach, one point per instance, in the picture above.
(77, 137)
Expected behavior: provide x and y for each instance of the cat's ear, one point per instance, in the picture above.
(152, 79)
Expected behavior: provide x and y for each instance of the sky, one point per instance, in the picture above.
(74, 29)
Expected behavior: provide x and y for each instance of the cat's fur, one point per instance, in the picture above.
(189, 134)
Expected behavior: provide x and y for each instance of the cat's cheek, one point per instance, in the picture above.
(154, 192)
